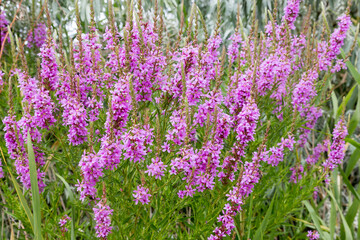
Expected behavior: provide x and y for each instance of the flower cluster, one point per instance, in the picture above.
(49, 67)
(156, 168)
(74, 116)
(91, 170)
(177, 109)
(313, 235)
(15, 144)
(3, 27)
(120, 107)
(337, 149)
(1, 80)
(63, 221)
(237, 194)
(317, 151)
(37, 36)
(141, 194)
(102, 216)
(137, 143)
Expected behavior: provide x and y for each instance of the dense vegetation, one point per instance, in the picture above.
(140, 122)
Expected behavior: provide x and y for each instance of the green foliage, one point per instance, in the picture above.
(276, 209)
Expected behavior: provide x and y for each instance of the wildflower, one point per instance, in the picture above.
(246, 124)
(296, 175)
(178, 133)
(120, 108)
(109, 153)
(74, 116)
(137, 142)
(320, 148)
(43, 108)
(156, 168)
(15, 145)
(91, 170)
(1, 170)
(313, 235)
(102, 216)
(239, 192)
(338, 36)
(1, 79)
(291, 12)
(166, 147)
(37, 36)
(337, 149)
(233, 50)
(63, 222)
(3, 27)
(141, 195)
(49, 67)
(277, 153)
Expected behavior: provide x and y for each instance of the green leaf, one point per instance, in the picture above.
(260, 231)
(355, 156)
(249, 215)
(348, 184)
(353, 142)
(12, 42)
(355, 118)
(316, 219)
(71, 196)
(345, 102)
(22, 200)
(332, 219)
(348, 234)
(352, 211)
(352, 69)
(34, 189)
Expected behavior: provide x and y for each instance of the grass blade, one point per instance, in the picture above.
(352, 69)
(352, 162)
(348, 234)
(353, 142)
(71, 196)
(354, 121)
(22, 200)
(20, 195)
(34, 189)
(315, 218)
(332, 219)
(249, 217)
(345, 101)
(348, 184)
(260, 231)
(352, 210)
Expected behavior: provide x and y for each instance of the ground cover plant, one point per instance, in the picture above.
(137, 135)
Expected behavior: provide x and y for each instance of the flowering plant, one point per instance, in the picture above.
(196, 134)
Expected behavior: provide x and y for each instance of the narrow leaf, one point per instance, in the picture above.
(348, 235)
(349, 186)
(315, 219)
(355, 156)
(260, 231)
(22, 200)
(34, 189)
(71, 196)
(345, 101)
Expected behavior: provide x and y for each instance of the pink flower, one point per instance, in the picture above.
(313, 235)
(337, 149)
(166, 147)
(141, 195)
(63, 222)
(102, 216)
(156, 168)
(37, 36)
